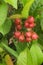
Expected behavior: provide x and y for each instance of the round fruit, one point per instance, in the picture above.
(17, 21)
(31, 19)
(28, 34)
(28, 39)
(26, 25)
(17, 34)
(32, 25)
(21, 38)
(19, 27)
(34, 36)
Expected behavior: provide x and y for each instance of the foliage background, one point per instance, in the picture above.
(9, 10)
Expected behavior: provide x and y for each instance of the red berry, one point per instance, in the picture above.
(32, 25)
(17, 21)
(26, 25)
(34, 36)
(28, 34)
(17, 34)
(28, 39)
(31, 19)
(21, 38)
(19, 27)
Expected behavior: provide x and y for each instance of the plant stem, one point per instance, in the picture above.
(11, 51)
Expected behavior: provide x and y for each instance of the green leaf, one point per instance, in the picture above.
(26, 8)
(36, 54)
(34, 7)
(25, 58)
(3, 12)
(5, 41)
(5, 28)
(1, 50)
(3, 63)
(41, 24)
(39, 54)
(33, 54)
(24, 2)
(41, 1)
(41, 18)
(19, 46)
(11, 51)
(12, 2)
(16, 16)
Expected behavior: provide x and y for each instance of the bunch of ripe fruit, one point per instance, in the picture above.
(27, 36)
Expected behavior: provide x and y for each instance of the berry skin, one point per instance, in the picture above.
(28, 34)
(17, 34)
(26, 25)
(32, 25)
(28, 39)
(17, 21)
(19, 27)
(34, 36)
(31, 19)
(21, 38)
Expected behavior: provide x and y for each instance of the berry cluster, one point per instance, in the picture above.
(29, 23)
(18, 24)
(27, 36)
